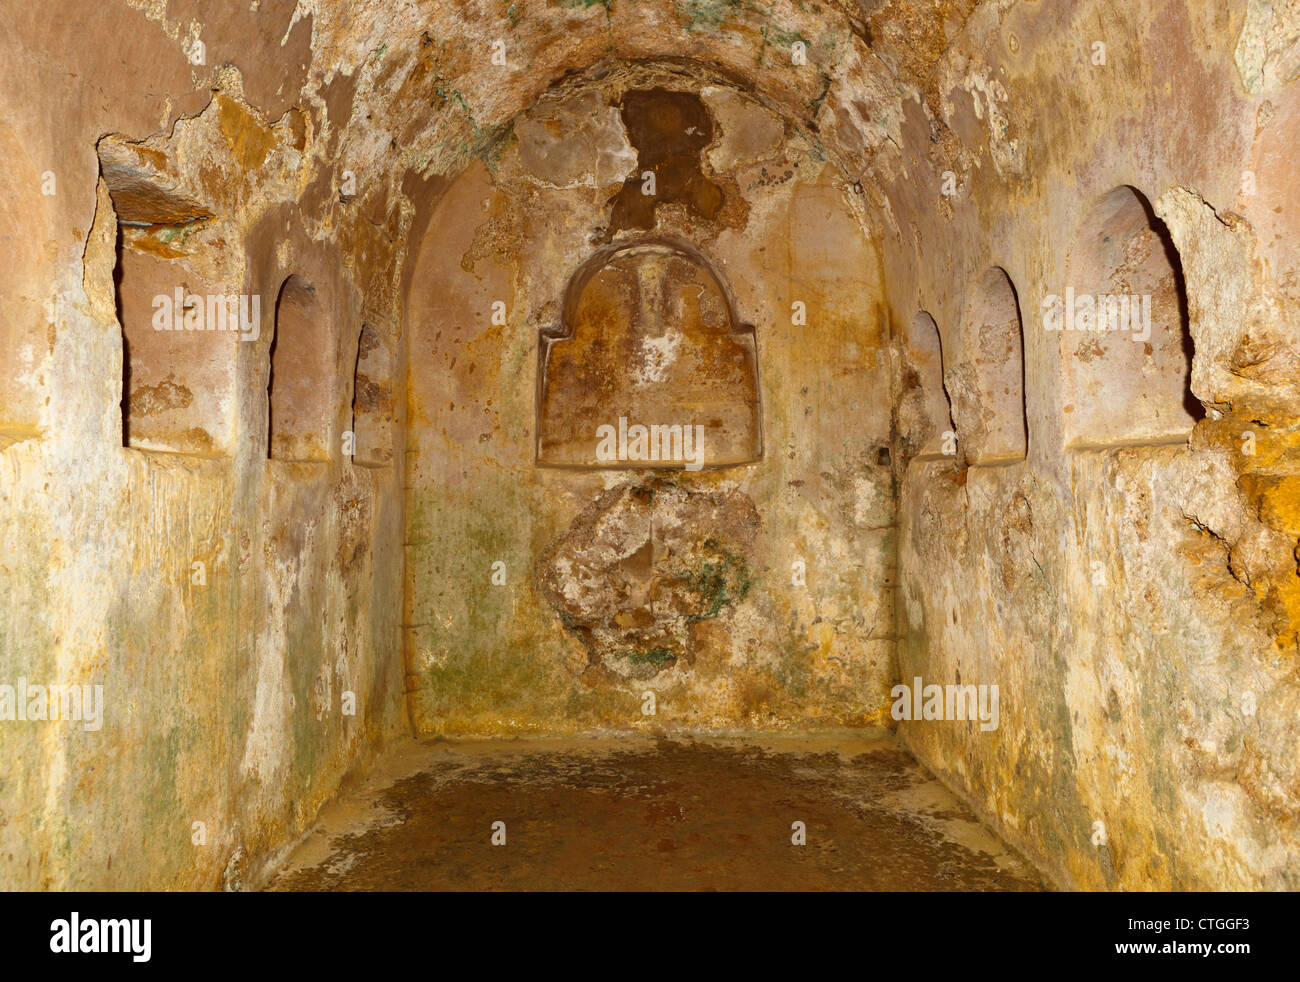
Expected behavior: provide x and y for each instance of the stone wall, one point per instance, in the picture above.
(757, 594)
(240, 613)
(1132, 593)
(1104, 528)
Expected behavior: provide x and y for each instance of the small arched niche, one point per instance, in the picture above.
(988, 387)
(649, 368)
(1122, 323)
(301, 388)
(924, 413)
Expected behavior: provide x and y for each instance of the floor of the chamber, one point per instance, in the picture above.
(651, 814)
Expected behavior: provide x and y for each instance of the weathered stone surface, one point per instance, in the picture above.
(635, 572)
(649, 366)
(1116, 547)
(805, 645)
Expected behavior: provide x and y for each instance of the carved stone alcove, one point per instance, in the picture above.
(649, 367)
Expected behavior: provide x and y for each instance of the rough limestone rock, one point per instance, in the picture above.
(639, 569)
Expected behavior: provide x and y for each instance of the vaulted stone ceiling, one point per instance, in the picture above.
(419, 85)
(430, 74)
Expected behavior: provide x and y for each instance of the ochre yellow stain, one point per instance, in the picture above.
(248, 139)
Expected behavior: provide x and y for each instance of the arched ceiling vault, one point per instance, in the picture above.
(427, 88)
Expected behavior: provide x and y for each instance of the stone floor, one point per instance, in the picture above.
(651, 814)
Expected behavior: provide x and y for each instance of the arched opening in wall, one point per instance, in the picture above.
(1126, 352)
(180, 329)
(650, 367)
(988, 387)
(301, 387)
(924, 413)
(372, 401)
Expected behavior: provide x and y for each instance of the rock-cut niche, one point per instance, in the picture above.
(649, 367)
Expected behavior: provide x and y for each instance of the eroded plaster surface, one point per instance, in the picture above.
(239, 536)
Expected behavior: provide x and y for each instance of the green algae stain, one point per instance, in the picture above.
(654, 656)
(718, 582)
(708, 14)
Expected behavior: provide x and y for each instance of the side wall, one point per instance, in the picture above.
(1135, 604)
(225, 721)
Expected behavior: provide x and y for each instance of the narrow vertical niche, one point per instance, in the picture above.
(924, 412)
(300, 392)
(372, 401)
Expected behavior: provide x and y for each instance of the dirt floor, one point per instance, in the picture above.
(645, 814)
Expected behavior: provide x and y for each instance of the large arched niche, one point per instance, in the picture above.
(650, 367)
(988, 387)
(1126, 353)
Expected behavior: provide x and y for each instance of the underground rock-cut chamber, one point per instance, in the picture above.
(776, 433)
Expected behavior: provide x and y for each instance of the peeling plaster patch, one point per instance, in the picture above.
(578, 143)
(651, 562)
(657, 356)
(748, 131)
(156, 10)
(871, 502)
(1268, 50)
(305, 8)
(988, 98)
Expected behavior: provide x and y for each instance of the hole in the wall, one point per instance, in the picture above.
(372, 401)
(669, 131)
(301, 384)
(1123, 328)
(925, 414)
(649, 368)
(177, 380)
(180, 333)
(988, 388)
